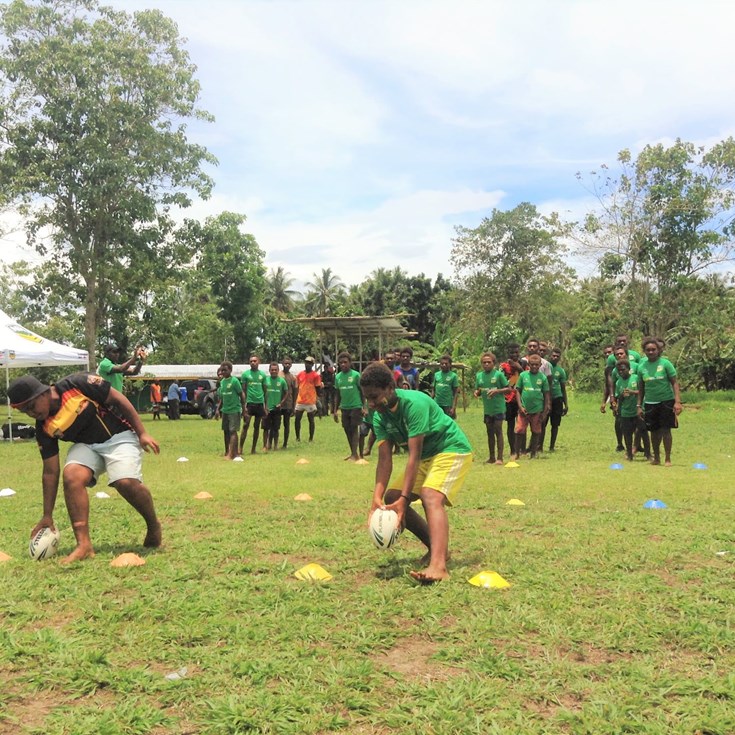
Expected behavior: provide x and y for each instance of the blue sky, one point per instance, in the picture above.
(356, 135)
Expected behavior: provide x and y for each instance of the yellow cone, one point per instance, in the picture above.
(203, 496)
(303, 496)
(313, 573)
(4, 556)
(302, 461)
(488, 580)
(515, 501)
(362, 461)
(512, 464)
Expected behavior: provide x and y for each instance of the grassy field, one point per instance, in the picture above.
(619, 619)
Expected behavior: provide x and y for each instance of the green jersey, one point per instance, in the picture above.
(559, 375)
(348, 385)
(614, 375)
(417, 414)
(532, 388)
(493, 380)
(633, 356)
(275, 389)
(229, 392)
(253, 380)
(104, 370)
(445, 386)
(656, 378)
(627, 406)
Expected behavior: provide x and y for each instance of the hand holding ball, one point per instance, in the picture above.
(383, 528)
(44, 544)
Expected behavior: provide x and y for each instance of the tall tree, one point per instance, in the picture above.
(664, 218)
(278, 292)
(324, 293)
(232, 264)
(93, 144)
(512, 265)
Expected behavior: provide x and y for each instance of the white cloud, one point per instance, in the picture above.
(355, 135)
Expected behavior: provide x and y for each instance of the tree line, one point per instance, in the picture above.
(94, 155)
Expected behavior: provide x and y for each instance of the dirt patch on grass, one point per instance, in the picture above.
(547, 708)
(54, 622)
(29, 713)
(414, 658)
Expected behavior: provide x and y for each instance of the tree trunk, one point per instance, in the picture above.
(90, 321)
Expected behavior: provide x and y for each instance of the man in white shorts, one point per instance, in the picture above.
(108, 436)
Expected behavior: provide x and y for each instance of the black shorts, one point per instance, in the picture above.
(256, 409)
(629, 424)
(557, 410)
(351, 417)
(273, 419)
(660, 416)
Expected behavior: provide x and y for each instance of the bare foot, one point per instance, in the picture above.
(153, 537)
(655, 461)
(429, 576)
(667, 463)
(79, 554)
(425, 560)
(499, 462)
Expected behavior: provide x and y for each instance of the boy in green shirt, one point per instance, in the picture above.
(231, 406)
(439, 457)
(445, 389)
(252, 380)
(559, 405)
(492, 385)
(532, 395)
(276, 393)
(626, 407)
(349, 401)
(659, 402)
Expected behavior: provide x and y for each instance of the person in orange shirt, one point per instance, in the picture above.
(310, 384)
(156, 399)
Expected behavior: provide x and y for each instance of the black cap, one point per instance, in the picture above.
(25, 389)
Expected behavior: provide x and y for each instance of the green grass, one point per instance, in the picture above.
(618, 620)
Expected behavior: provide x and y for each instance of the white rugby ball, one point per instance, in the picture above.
(44, 544)
(383, 528)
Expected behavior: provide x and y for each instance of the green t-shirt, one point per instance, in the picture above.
(253, 380)
(532, 388)
(633, 356)
(495, 379)
(275, 389)
(656, 378)
(627, 407)
(104, 371)
(348, 385)
(560, 376)
(415, 414)
(614, 375)
(445, 386)
(229, 391)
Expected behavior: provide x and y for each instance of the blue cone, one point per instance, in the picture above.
(655, 504)
(616, 466)
(699, 466)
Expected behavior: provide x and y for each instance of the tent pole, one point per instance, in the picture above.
(7, 389)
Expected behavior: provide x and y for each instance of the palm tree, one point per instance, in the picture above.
(279, 295)
(323, 292)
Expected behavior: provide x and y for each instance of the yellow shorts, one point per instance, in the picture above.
(444, 473)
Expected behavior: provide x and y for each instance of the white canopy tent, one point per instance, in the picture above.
(21, 348)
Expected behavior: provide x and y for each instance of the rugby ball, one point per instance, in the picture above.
(383, 528)
(44, 544)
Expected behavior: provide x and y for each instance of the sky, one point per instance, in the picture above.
(356, 135)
